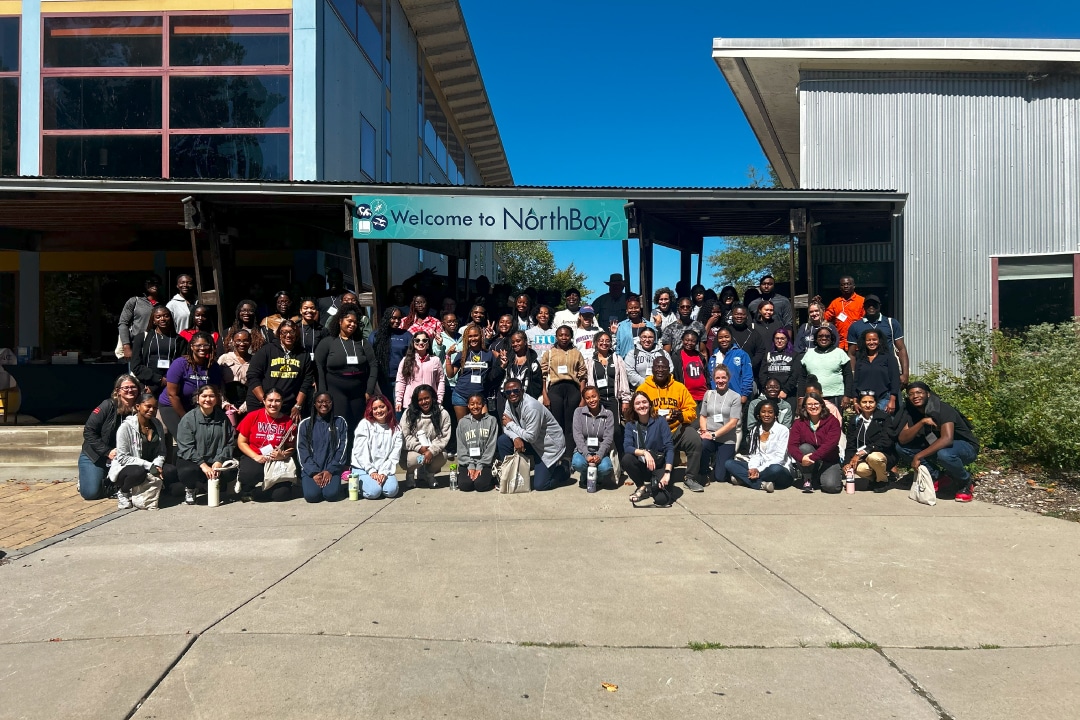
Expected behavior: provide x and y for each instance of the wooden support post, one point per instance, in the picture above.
(376, 249)
(646, 253)
(626, 264)
(684, 265)
(700, 259)
(195, 261)
(219, 287)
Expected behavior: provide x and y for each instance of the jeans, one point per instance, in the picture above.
(719, 453)
(331, 492)
(544, 477)
(604, 470)
(92, 475)
(776, 474)
(372, 490)
(950, 460)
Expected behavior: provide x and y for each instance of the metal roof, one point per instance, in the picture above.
(441, 32)
(764, 73)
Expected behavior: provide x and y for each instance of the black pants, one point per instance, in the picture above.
(640, 474)
(133, 475)
(614, 406)
(485, 482)
(250, 474)
(565, 396)
(191, 474)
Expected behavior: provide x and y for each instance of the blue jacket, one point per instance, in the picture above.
(741, 367)
(317, 454)
(624, 337)
(657, 438)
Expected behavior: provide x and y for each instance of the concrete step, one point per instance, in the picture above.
(43, 455)
(39, 473)
(41, 436)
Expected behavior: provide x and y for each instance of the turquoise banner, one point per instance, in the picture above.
(420, 217)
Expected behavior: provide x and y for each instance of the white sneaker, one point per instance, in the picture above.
(123, 501)
(189, 496)
(768, 486)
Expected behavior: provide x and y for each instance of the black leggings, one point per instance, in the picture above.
(250, 474)
(565, 396)
(639, 473)
(485, 482)
(132, 475)
(192, 476)
(615, 406)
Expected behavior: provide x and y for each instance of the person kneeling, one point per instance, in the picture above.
(648, 451)
(265, 436)
(376, 450)
(594, 433)
(767, 463)
(477, 434)
(869, 445)
(814, 444)
(425, 432)
(203, 442)
(322, 445)
(140, 455)
(531, 429)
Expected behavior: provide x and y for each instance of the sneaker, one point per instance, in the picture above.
(189, 496)
(693, 485)
(123, 501)
(245, 497)
(965, 495)
(807, 487)
(768, 486)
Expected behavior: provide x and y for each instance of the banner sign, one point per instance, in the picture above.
(426, 217)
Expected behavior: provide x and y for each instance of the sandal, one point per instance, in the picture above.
(640, 494)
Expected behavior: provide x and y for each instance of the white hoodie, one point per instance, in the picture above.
(376, 448)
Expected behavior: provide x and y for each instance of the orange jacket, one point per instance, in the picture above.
(852, 310)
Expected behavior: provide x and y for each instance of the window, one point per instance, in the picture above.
(439, 138)
(8, 291)
(1034, 289)
(364, 21)
(9, 96)
(218, 106)
(367, 148)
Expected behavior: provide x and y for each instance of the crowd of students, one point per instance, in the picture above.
(732, 391)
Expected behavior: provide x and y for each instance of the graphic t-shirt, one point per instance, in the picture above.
(263, 431)
(693, 374)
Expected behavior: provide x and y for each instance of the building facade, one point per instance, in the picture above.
(384, 91)
(982, 135)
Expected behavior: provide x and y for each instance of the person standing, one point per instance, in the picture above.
(688, 366)
(611, 306)
(781, 305)
(311, 330)
(674, 332)
(282, 365)
(564, 370)
(346, 365)
(541, 336)
(330, 303)
(804, 336)
(627, 332)
(876, 371)
(418, 368)
(739, 365)
(569, 315)
(152, 352)
(185, 376)
(664, 313)
(135, 317)
(390, 342)
(674, 404)
(182, 302)
(889, 329)
(846, 309)
(830, 366)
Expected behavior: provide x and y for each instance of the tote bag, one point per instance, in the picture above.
(922, 490)
(514, 473)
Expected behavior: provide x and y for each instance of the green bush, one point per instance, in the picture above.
(1019, 392)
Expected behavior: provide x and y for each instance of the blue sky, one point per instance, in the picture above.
(626, 93)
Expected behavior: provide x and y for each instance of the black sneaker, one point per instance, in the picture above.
(693, 485)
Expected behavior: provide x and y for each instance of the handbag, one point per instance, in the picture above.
(515, 473)
(279, 471)
(922, 490)
(145, 495)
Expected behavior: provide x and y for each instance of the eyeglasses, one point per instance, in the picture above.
(128, 388)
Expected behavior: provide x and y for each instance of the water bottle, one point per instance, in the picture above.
(452, 461)
(213, 492)
(849, 477)
(354, 486)
(591, 481)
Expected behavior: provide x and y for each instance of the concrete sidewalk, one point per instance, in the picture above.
(454, 604)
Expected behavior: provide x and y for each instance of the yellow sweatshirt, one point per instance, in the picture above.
(673, 396)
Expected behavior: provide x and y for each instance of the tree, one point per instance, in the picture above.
(531, 264)
(745, 258)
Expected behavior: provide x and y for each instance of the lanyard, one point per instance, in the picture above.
(599, 426)
(157, 345)
(354, 352)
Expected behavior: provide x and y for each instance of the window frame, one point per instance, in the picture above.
(995, 280)
(16, 74)
(166, 71)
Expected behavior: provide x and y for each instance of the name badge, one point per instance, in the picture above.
(352, 360)
(561, 370)
(663, 413)
(266, 450)
(331, 311)
(162, 364)
(593, 444)
(931, 438)
(423, 440)
(601, 382)
(842, 317)
(718, 418)
(476, 379)
(474, 452)
(311, 356)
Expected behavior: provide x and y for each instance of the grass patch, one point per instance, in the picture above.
(699, 646)
(528, 643)
(857, 645)
(989, 646)
(802, 643)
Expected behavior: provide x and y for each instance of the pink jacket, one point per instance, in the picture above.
(428, 372)
(826, 439)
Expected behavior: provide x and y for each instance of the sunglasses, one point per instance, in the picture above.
(420, 341)
(513, 391)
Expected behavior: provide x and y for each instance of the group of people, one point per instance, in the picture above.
(733, 386)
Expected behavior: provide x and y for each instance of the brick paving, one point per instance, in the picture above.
(32, 512)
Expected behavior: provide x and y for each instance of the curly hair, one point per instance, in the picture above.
(412, 415)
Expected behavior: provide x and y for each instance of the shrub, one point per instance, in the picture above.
(1018, 392)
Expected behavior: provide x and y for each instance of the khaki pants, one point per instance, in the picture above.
(873, 466)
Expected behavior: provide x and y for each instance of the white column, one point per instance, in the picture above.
(30, 93)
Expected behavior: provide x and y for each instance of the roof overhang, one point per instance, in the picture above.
(440, 29)
(764, 74)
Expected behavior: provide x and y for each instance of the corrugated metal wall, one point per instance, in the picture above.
(991, 162)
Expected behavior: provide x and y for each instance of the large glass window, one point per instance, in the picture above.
(1034, 289)
(164, 116)
(9, 96)
(225, 40)
(9, 44)
(439, 138)
(364, 21)
(367, 148)
(127, 41)
(229, 101)
(101, 103)
(246, 157)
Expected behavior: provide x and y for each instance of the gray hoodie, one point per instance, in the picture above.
(204, 438)
(480, 434)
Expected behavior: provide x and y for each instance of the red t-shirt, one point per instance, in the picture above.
(261, 430)
(693, 372)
